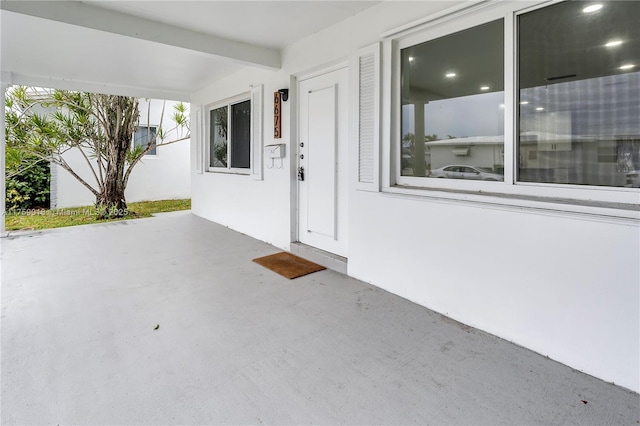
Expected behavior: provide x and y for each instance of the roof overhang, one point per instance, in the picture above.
(137, 49)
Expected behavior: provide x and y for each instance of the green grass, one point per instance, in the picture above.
(58, 218)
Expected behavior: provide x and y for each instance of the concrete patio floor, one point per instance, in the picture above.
(238, 344)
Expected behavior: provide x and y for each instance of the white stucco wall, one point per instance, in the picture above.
(563, 284)
(162, 176)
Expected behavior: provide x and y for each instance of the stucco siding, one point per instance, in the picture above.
(562, 283)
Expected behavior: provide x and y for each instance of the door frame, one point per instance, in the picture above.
(294, 138)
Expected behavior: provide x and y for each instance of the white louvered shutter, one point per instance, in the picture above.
(198, 134)
(368, 66)
(256, 132)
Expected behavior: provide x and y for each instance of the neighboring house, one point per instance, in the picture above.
(163, 173)
(546, 258)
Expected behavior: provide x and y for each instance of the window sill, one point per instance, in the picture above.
(595, 209)
(244, 172)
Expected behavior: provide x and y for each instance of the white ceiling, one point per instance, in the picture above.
(156, 49)
(275, 24)
(72, 57)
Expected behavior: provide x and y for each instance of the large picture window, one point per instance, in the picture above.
(579, 94)
(230, 136)
(543, 99)
(453, 106)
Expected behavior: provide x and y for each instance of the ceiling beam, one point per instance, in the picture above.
(21, 79)
(89, 16)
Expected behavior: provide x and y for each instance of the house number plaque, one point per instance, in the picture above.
(277, 115)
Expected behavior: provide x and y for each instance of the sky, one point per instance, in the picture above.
(475, 115)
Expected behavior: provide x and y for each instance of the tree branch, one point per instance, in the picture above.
(175, 140)
(135, 161)
(24, 169)
(62, 163)
(79, 146)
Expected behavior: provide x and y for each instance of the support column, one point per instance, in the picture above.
(419, 166)
(3, 183)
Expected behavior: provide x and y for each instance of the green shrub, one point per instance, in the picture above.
(29, 188)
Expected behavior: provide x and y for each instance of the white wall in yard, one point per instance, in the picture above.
(563, 284)
(157, 177)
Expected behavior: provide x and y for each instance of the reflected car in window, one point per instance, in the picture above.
(633, 179)
(466, 172)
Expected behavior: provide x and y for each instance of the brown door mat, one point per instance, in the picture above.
(288, 265)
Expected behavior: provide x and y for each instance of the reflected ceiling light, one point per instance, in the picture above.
(539, 109)
(627, 66)
(614, 43)
(411, 58)
(450, 74)
(524, 103)
(501, 105)
(484, 88)
(592, 8)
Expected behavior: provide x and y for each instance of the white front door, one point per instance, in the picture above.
(322, 155)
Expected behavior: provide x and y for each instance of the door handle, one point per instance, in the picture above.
(300, 173)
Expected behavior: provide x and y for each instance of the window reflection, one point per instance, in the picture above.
(241, 135)
(579, 111)
(218, 136)
(143, 136)
(453, 106)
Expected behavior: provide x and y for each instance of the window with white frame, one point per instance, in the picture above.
(453, 105)
(145, 136)
(579, 93)
(547, 96)
(230, 136)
